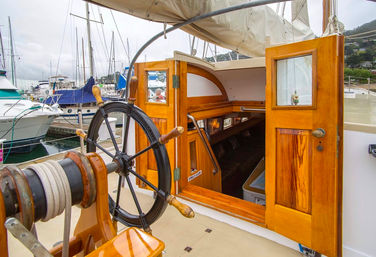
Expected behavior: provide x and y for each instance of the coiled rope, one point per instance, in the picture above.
(58, 195)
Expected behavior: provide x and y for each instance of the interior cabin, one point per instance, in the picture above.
(263, 136)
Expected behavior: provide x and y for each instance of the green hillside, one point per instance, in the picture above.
(360, 46)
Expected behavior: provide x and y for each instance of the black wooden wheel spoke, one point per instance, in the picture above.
(100, 147)
(134, 196)
(125, 136)
(143, 151)
(105, 117)
(117, 196)
(147, 182)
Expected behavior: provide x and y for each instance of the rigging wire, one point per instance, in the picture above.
(102, 66)
(362, 37)
(104, 43)
(62, 41)
(360, 34)
(121, 39)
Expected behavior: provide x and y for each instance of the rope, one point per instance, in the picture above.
(68, 203)
(14, 122)
(58, 195)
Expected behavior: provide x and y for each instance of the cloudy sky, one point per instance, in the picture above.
(45, 43)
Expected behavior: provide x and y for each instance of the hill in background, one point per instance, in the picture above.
(360, 46)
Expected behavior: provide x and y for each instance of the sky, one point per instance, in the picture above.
(45, 42)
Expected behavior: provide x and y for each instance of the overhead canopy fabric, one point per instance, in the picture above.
(245, 31)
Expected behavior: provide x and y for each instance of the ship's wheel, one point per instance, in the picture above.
(129, 113)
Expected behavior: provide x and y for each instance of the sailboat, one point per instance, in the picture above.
(73, 100)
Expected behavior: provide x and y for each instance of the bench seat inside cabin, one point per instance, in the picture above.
(238, 155)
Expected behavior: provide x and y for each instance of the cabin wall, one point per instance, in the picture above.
(359, 191)
(200, 86)
(244, 84)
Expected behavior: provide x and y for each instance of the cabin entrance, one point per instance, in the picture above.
(274, 159)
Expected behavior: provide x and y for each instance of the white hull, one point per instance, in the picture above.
(27, 127)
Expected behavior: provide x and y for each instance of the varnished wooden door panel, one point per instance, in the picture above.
(200, 172)
(303, 171)
(161, 112)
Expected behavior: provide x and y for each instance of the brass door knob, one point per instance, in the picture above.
(318, 133)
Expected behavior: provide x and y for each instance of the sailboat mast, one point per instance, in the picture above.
(113, 54)
(83, 60)
(77, 60)
(2, 51)
(326, 6)
(89, 40)
(12, 62)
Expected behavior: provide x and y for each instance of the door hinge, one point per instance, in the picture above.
(338, 141)
(175, 81)
(176, 174)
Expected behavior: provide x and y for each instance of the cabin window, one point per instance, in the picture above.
(201, 123)
(294, 81)
(237, 120)
(214, 125)
(227, 123)
(69, 110)
(156, 86)
(192, 152)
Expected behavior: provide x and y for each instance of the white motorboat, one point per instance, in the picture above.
(23, 123)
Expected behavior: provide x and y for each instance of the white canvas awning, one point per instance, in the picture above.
(246, 31)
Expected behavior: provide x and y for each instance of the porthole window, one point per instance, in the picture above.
(69, 111)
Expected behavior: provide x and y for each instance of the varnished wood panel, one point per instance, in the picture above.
(233, 206)
(207, 179)
(161, 125)
(3, 231)
(163, 115)
(319, 228)
(131, 243)
(293, 169)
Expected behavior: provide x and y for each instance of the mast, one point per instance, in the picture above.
(12, 62)
(83, 59)
(113, 54)
(89, 40)
(77, 60)
(326, 6)
(2, 50)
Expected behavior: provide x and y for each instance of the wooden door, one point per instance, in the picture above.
(156, 97)
(304, 127)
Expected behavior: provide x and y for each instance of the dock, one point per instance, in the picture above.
(64, 128)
